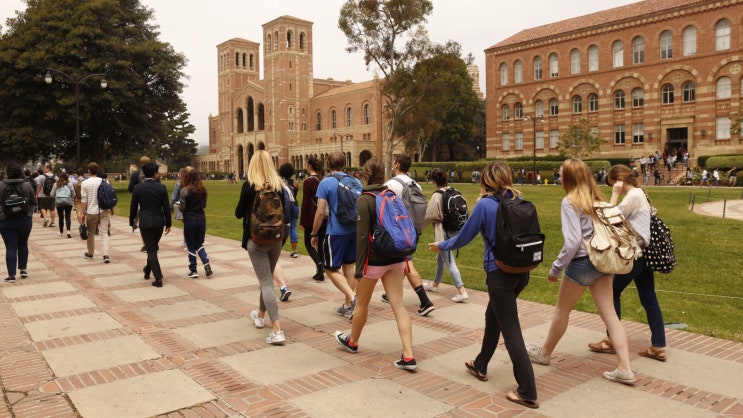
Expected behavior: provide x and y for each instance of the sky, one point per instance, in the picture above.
(196, 27)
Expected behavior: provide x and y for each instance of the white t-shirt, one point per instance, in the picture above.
(89, 193)
(398, 187)
(636, 210)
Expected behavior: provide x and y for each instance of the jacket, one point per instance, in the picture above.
(152, 200)
(245, 207)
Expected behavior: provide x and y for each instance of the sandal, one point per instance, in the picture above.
(470, 365)
(655, 353)
(603, 346)
(514, 397)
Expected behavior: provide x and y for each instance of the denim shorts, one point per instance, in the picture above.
(581, 271)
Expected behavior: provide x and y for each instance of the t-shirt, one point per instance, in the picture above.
(89, 193)
(636, 210)
(328, 190)
(40, 182)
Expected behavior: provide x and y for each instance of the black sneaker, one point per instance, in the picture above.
(24, 274)
(88, 256)
(319, 277)
(285, 293)
(384, 298)
(10, 279)
(106, 259)
(406, 365)
(343, 340)
(425, 310)
(208, 270)
(193, 275)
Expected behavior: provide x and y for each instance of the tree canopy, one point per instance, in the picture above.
(139, 109)
(580, 141)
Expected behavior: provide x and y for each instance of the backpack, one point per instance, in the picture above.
(454, 207)
(15, 203)
(267, 217)
(107, 198)
(519, 242)
(63, 196)
(290, 204)
(658, 254)
(393, 234)
(613, 245)
(346, 210)
(48, 184)
(415, 201)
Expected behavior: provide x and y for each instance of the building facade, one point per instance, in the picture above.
(657, 75)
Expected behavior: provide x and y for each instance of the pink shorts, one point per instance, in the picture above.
(376, 272)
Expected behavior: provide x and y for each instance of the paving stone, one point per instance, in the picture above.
(148, 292)
(97, 268)
(69, 326)
(97, 355)
(468, 315)
(181, 310)
(223, 280)
(222, 332)
(115, 280)
(36, 289)
(58, 304)
(384, 337)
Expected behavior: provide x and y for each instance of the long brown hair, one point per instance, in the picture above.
(63, 179)
(192, 182)
(581, 188)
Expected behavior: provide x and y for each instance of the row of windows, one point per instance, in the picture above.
(349, 118)
(638, 137)
(688, 46)
(274, 46)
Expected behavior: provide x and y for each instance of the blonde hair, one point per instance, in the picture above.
(581, 188)
(144, 160)
(261, 170)
(495, 179)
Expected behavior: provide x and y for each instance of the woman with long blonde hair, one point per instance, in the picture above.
(262, 175)
(576, 215)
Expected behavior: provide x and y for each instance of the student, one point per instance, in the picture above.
(64, 210)
(576, 215)
(193, 198)
(92, 215)
(46, 202)
(307, 214)
(15, 231)
(501, 315)
(286, 171)
(371, 267)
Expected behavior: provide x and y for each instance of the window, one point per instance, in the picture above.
(617, 54)
(333, 120)
(577, 104)
(518, 111)
(638, 97)
(723, 88)
(638, 50)
(667, 94)
(690, 41)
(593, 102)
(318, 127)
(574, 61)
(553, 65)
(539, 109)
(367, 114)
(722, 35)
(723, 128)
(519, 141)
(503, 74)
(518, 72)
(504, 113)
(689, 89)
(593, 58)
(349, 116)
(554, 108)
(506, 142)
(554, 137)
(619, 99)
(539, 140)
(618, 134)
(638, 133)
(666, 45)
(289, 40)
(268, 43)
(537, 68)
(301, 41)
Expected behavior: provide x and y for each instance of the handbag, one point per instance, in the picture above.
(659, 252)
(83, 232)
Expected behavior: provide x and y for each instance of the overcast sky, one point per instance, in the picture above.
(196, 27)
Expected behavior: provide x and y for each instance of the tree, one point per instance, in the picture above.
(177, 148)
(79, 38)
(580, 141)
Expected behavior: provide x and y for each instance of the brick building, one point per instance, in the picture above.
(653, 75)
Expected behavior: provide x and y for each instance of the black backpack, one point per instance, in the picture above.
(107, 198)
(48, 184)
(519, 242)
(454, 207)
(15, 203)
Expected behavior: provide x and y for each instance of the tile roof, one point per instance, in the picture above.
(595, 19)
(347, 88)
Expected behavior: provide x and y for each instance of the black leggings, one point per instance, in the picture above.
(312, 251)
(64, 213)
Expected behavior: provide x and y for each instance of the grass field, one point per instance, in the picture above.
(703, 291)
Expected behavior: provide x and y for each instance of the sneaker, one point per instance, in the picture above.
(384, 298)
(460, 297)
(536, 355)
(319, 277)
(46, 222)
(143, 249)
(294, 254)
(59, 235)
(285, 293)
(208, 269)
(193, 274)
(628, 378)
(259, 322)
(345, 341)
(10, 279)
(24, 274)
(274, 338)
(106, 259)
(349, 313)
(51, 225)
(343, 310)
(430, 287)
(88, 256)
(406, 365)
(69, 235)
(425, 310)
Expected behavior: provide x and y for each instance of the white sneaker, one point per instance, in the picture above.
(460, 297)
(536, 355)
(259, 322)
(274, 338)
(430, 287)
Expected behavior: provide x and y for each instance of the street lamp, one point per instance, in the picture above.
(104, 84)
(534, 120)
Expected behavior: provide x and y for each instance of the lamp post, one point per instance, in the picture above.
(534, 120)
(104, 84)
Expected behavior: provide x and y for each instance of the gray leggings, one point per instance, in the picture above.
(264, 259)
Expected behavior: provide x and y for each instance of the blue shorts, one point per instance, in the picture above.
(581, 271)
(338, 250)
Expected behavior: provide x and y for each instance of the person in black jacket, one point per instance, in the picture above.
(192, 203)
(150, 200)
(15, 231)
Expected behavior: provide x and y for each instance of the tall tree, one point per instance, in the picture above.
(580, 141)
(80, 38)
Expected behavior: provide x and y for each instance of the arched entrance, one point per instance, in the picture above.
(364, 156)
(240, 160)
(251, 151)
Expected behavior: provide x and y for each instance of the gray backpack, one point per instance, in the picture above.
(415, 201)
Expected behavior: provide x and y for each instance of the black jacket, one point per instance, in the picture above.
(245, 207)
(152, 200)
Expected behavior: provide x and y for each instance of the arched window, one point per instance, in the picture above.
(619, 99)
(276, 37)
(252, 62)
(575, 61)
(577, 104)
(638, 50)
(518, 71)
(689, 91)
(666, 45)
(318, 126)
(593, 102)
(504, 112)
(554, 107)
(301, 41)
(537, 68)
(593, 58)
(240, 121)
(518, 111)
(723, 88)
(237, 59)
(638, 97)
(667, 94)
(367, 114)
(333, 119)
(349, 116)
(553, 65)
(503, 74)
(722, 35)
(268, 43)
(617, 50)
(244, 60)
(690, 41)
(539, 109)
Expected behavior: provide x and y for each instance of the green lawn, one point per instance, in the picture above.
(702, 292)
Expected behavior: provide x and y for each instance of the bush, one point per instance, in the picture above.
(723, 162)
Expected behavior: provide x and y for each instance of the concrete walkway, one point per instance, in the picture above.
(84, 338)
(731, 209)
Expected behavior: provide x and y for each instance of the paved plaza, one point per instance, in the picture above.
(84, 338)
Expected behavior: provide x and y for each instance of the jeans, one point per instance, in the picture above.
(151, 238)
(64, 213)
(446, 258)
(293, 237)
(15, 234)
(644, 278)
(194, 233)
(502, 317)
